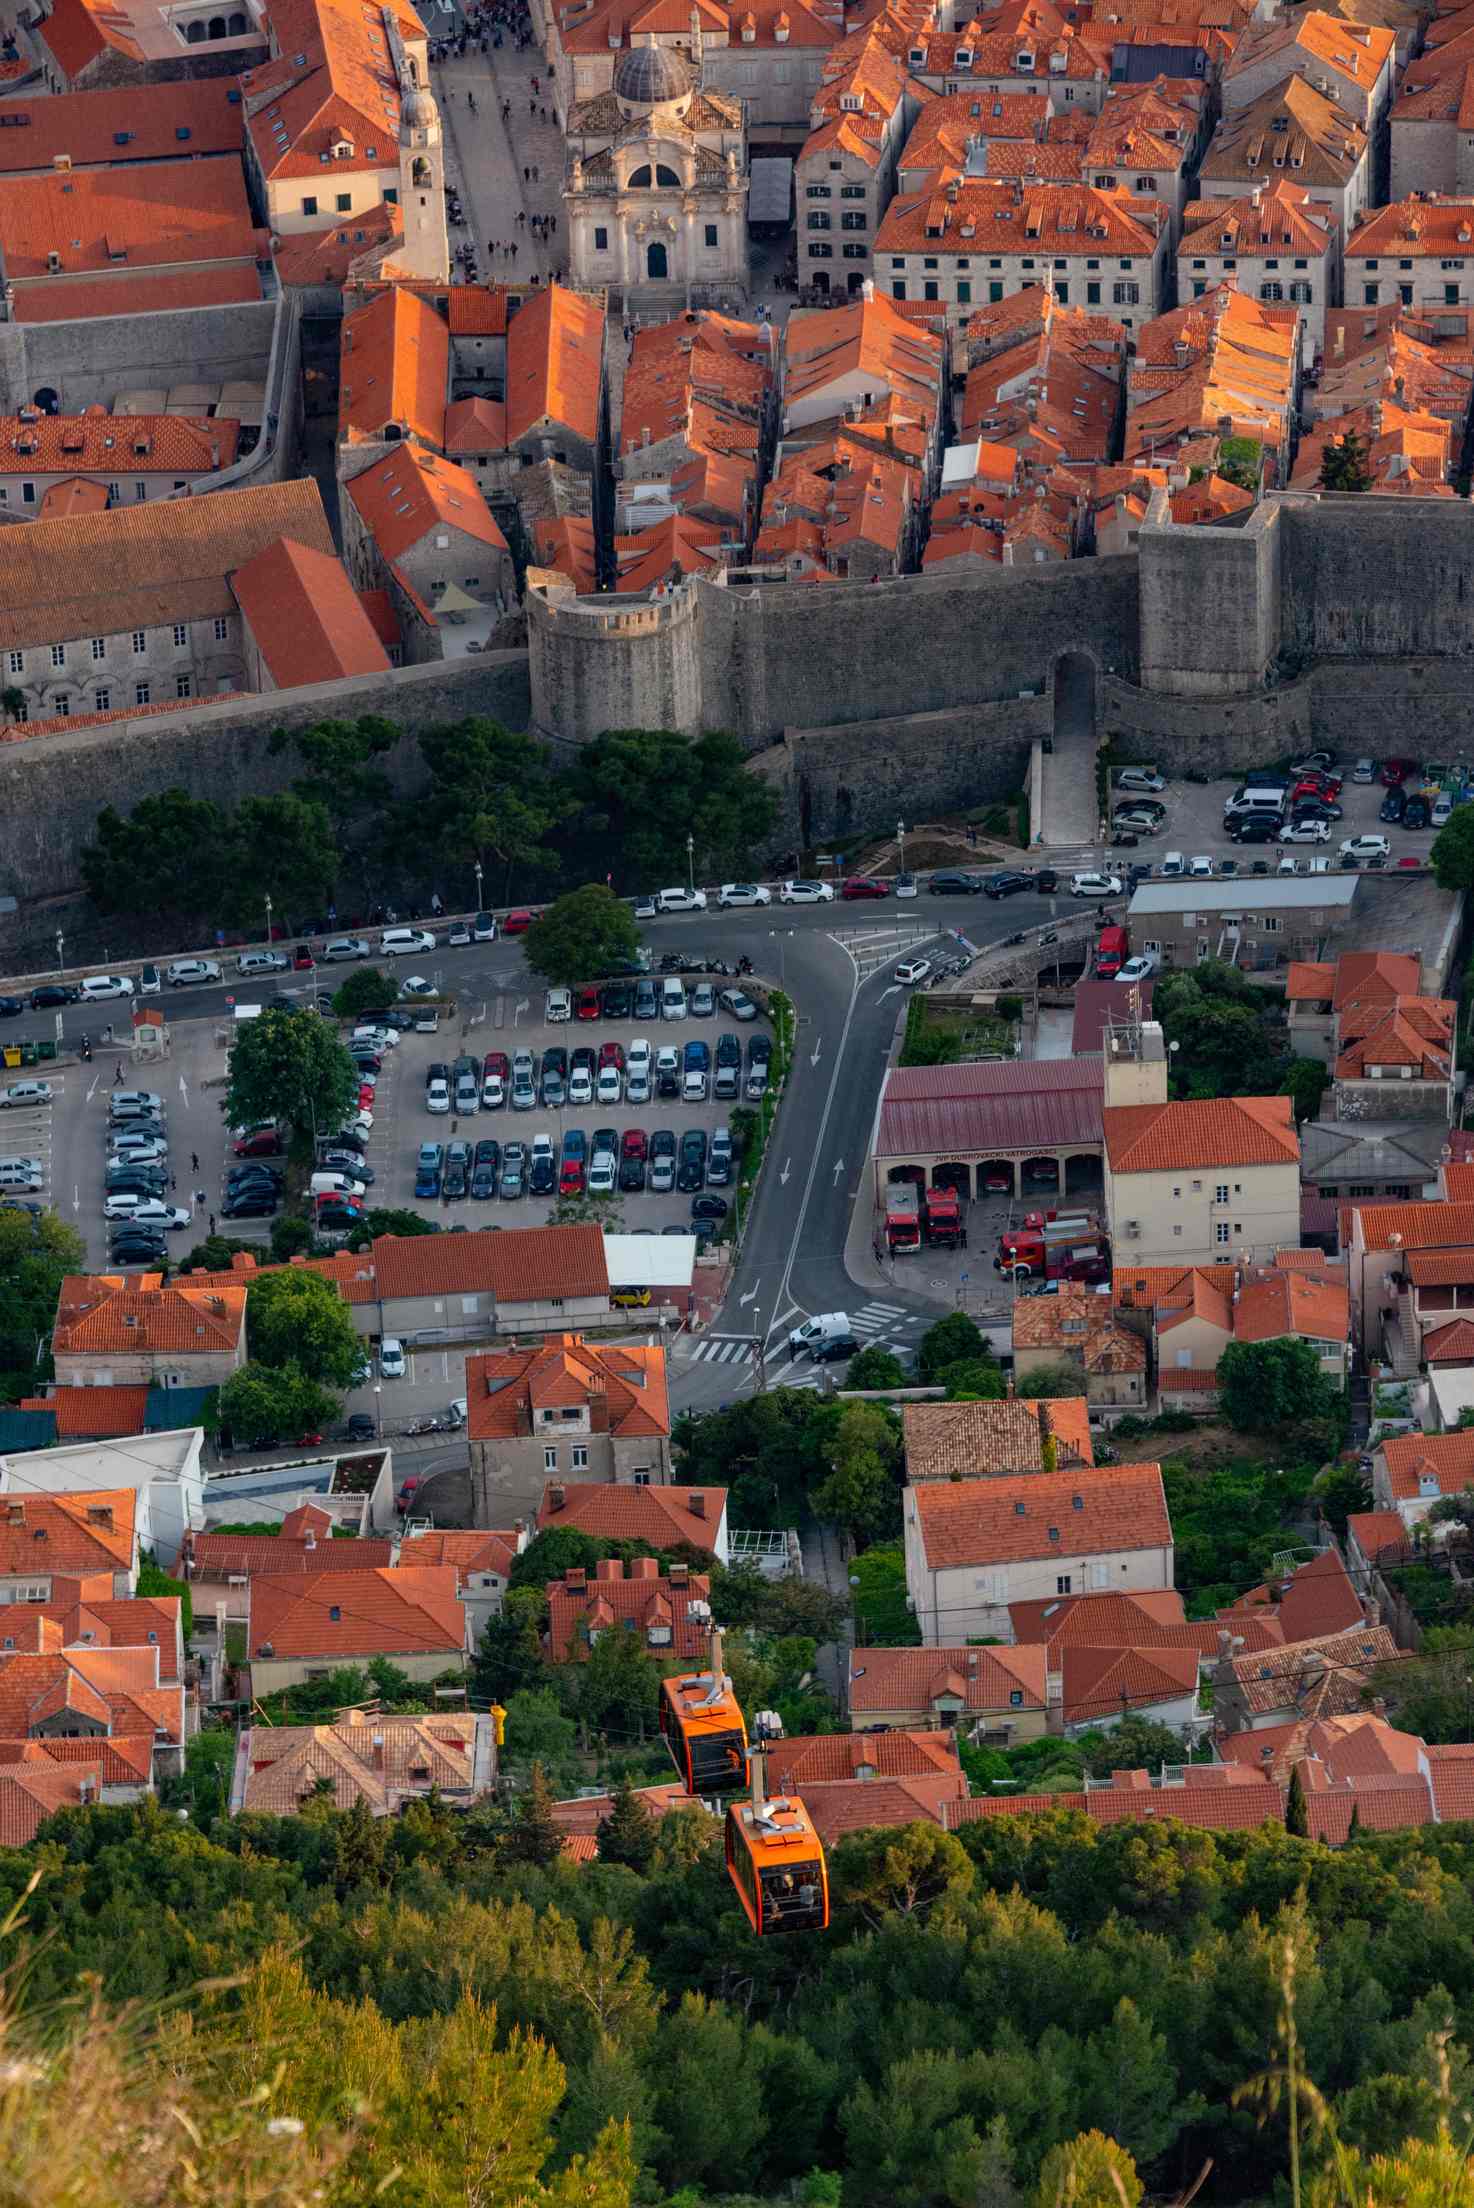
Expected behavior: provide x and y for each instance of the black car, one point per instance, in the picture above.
(52, 993)
(954, 885)
(347, 1138)
(1143, 873)
(631, 1175)
(136, 1253)
(1392, 808)
(253, 1202)
(691, 1172)
(617, 1001)
(1417, 813)
(1316, 808)
(1046, 881)
(11, 1007)
(347, 1161)
(486, 1171)
(1265, 829)
(709, 1207)
(834, 1352)
(457, 1172)
(1007, 885)
(360, 1426)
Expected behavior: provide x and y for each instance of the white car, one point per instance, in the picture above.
(149, 1100)
(558, 1005)
(1442, 810)
(602, 1172)
(150, 1208)
(806, 893)
(1141, 778)
(1201, 869)
(1306, 831)
(580, 1086)
(139, 1152)
(905, 885)
(493, 1092)
(186, 972)
(611, 1086)
(1095, 885)
(98, 986)
(680, 900)
(1361, 847)
(382, 1038)
(637, 1058)
(1365, 770)
(394, 942)
(437, 1095)
(637, 1087)
(742, 893)
(391, 1358)
(1173, 865)
(913, 969)
(262, 962)
(415, 985)
(25, 1092)
(1140, 968)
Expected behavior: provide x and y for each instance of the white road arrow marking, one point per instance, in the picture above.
(522, 1004)
(819, 1045)
(838, 1168)
(787, 1169)
(92, 1086)
(749, 1297)
(183, 1092)
(893, 991)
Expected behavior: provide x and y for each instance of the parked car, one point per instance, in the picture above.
(912, 970)
(1417, 813)
(429, 1164)
(1098, 885)
(1307, 831)
(189, 972)
(53, 993)
(393, 1364)
(456, 1178)
(1395, 771)
(806, 893)
(518, 922)
(1140, 778)
(252, 1202)
(861, 886)
(737, 1004)
(1365, 770)
(543, 1166)
(1139, 968)
(344, 948)
(21, 1094)
(743, 893)
(691, 1172)
(514, 1173)
(662, 1161)
(98, 987)
(1007, 885)
(680, 900)
(1365, 847)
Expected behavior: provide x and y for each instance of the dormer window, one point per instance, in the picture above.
(964, 57)
(918, 57)
(1025, 61)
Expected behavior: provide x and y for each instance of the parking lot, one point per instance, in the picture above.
(1193, 826)
(403, 1120)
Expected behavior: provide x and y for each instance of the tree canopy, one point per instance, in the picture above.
(581, 936)
(298, 1318)
(1346, 463)
(1453, 850)
(36, 1254)
(290, 1065)
(1274, 1386)
(267, 1403)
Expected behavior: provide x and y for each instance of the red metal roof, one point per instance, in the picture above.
(1020, 1104)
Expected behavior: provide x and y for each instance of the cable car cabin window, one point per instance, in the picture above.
(716, 1762)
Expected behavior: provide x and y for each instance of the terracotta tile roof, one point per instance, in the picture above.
(861, 1805)
(92, 1414)
(342, 1616)
(1056, 396)
(475, 426)
(30, 1793)
(581, 1818)
(704, 357)
(143, 1621)
(822, 1758)
(468, 1548)
(517, 1265)
(1019, 1517)
(478, 310)
(73, 37)
(278, 1555)
(1318, 1599)
(147, 444)
(305, 616)
(824, 346)
(1415, 228)
(1322, 1677)
(86, 299)
(1360, 1745)
(1415, 1031)
(383, 619)
(394, 368)
(75, 496)
(1377, 1530)
(1148, 1287)
(1277, 1303)
(73, 1534)
(1079, 1324)
(1398, 1223)
(914, 1679)
(1452, 1767)
(1357, 977)
(330, 81)
(1313, 40)
(945, 1440)
(113, 1686)
(623, 1389)
(1169, 1138)
(652, 556)
(582, 1605)
(125, 1760)
(1211, 1796)
(567, 544)
(141, 565)
(980, 1806)
(1068, 220)
(555, 371)
(659, 1515)
(1221, 359)
(1099, 1621)
(1413, 1458)
(93, 219)
(1407, 453)
(1443, 1345)
(100, 1316)
(583, 1847)
(1212, 499)
(1105, 1683)
(1280, 218)
(378, 1760)
(329, 256)
(403, 498)
(350, 1271)
(945, 128)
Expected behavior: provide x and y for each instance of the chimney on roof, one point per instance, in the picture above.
(378, 1748)
(645, 1567)
(86, 1788)
(557, 1498)
(679, 1575)
(696, 1503)
(576, 1581)
(609, 1567)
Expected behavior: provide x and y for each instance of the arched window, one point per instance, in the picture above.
(217, 26)
(420, 174)
(666, 176)
(640, 179)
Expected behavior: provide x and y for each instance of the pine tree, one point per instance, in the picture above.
(627, 1834)
(535, 1835)
(1344, 464)
(1297, 1817)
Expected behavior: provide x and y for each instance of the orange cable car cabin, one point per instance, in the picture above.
(775, 1861)
(704, 1730)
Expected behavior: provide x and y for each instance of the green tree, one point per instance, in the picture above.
(638, 793)
(1136, 1744)
(1217, 1018)
(618, 1689)
(954, 1340)
(538, 1732)
(861, 1492)
(154, 1580)
(167, 858)
(583, 934)
(1453, 850)
(880, 1599)
(1297, 1816)
(975, 1380)
(1267, 1387)
(262, 1403)
(291, 1236)
(1051, 1380)
(875, 1369)
(297, 1318)
(489, 796)
(365, 990)
(339, 765)
(405, 1224)
(282, 845)
(290, 1065)
(511, 1656)
(1089, 2171)
(1303, 1081)
(904, 1871)
(1345, 464)
(626, 1834)
(534, 1836)
(36, 1254)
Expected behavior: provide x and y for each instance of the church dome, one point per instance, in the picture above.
(647, 76)
(417, 109)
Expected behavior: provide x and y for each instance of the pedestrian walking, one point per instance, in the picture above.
(513, 251)
(212, 1222)
(194, 1161)
(117, 1077)
(526, 175)
(172, 1184)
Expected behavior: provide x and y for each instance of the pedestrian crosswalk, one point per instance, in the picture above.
(871, 1323)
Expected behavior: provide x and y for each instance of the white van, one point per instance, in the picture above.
(814, 1334)
(336, 1184)
(672, 998)
(394, 942)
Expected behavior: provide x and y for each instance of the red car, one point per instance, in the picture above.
(497, 1062)
(518, 923)
(570, 1177)
(586, 1004)
(365, 1097)
(611, 1054)
(264, 1143)
(862, 885)
(998, 1183)
(1396, 771)
(302, 959)
(636, 1143)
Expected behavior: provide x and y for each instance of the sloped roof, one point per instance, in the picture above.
(1181, 1137)
(555, 354)
(914, 1679)
(306, 617)
(1019, 1104)
(364, 1759)
(162, 214)
(623, 1389)
(517, 1265)
(640, 1599)
(1446, 1458)
(412, 492)
(861, 1805)
(394, 367)
(468, 1549)
(1016, 1518)
(943, 1440)
(342, 1616)
(1322, 1677)
(69, 1534)
(659, 1515)
(1106, 1683)
(822, 1758)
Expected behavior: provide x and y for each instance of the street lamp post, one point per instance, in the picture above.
(901, 840)
(379, 1409)
(691, 864)
(269, 937)
(60, 964)
(478, 885)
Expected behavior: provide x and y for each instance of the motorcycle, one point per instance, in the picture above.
(423, 1426)
(86, 1048)
(744, 965)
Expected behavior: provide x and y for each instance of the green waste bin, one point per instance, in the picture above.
(45, 1050)
(28, 1054)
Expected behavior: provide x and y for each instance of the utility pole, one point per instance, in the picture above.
(759, 1362)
